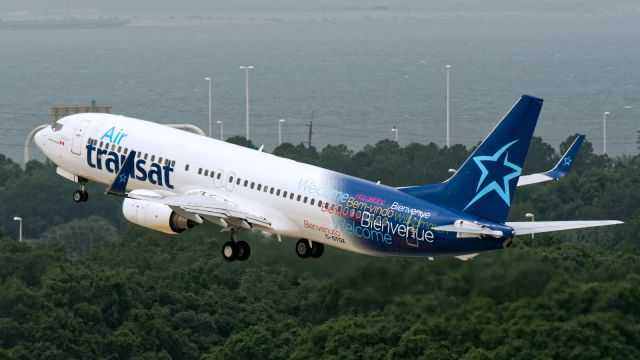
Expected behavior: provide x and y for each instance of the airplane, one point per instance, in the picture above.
(172, 180)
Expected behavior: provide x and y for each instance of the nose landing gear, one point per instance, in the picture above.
(81, 195)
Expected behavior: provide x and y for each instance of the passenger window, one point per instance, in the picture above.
(212, 174)
(146, 156)
(119, 148)
(113, 147)
(312, 201)
(353, 212)
(385, 221)
(271, 191)
(95, 142)
(253, 184)
(101, 142)
(305, 199)
(200, 171)
(230, 179)
(126, 151)
(238, 181)
(139, 155)
(299, 197)
(319, 203)
(259, 187)
(246, 182)
(160, 160)
(153, 158)
(173, 163)
(186, 167)
(206, 173)
(291, 196)
(339, 209)
(358, 214)
(89, 141)
(219, 175)
(278, 192)
(266, 188)
(284, 194)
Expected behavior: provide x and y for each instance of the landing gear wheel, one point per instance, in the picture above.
(85, 196)
(303, 249)
(244, 250)
(317, 250)
(229, 251)
(78, 196)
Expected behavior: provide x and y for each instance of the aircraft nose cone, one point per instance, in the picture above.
(40, 138)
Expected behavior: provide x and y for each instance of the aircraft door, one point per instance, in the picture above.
(78, 137)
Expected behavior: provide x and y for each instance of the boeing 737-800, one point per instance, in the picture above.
(172, 180)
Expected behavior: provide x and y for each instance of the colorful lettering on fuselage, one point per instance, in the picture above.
(111, 161)
(114, 137)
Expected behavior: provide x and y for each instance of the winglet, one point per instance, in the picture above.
(119, 185)
(561, 169)
(563, 166)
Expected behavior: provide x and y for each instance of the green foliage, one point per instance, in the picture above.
(80, 236)
(75, 291)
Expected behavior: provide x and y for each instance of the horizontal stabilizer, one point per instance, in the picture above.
(561, 169)
(535, 227)
(466, 227)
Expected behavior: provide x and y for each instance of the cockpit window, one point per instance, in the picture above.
(56, 126)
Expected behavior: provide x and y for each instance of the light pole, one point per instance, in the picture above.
(533, 218)
(19, 219)
(280, 122)
(604, 131)
(395, 130)
(448, 100)
(246, 92)
(209, 80)
(221, 123)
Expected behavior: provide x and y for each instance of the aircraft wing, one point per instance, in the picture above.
(535, 227)
(208, 206)
(561, 169)
(191, 205)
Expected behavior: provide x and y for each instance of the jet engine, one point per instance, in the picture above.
(155, 216)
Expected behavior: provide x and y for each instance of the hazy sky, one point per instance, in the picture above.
(57, 8)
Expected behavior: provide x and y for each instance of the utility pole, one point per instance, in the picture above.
(448, 103)
(310, 125)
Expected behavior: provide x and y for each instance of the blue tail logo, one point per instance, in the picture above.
(497, 175)
(486, 182)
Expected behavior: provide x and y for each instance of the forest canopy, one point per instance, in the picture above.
(87, 284)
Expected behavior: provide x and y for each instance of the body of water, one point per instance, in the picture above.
(358, 76)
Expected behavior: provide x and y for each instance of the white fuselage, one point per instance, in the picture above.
(171, 161)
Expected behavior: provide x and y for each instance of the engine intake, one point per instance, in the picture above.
(155, 216)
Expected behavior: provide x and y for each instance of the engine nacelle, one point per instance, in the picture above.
(155, 216)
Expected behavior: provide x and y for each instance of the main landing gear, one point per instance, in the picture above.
(305, 249)
(235, 250)
(81, 195)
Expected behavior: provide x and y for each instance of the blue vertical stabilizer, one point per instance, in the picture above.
(485, 184)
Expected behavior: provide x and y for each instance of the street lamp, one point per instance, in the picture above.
(19, 219)
(604, 131)
(533, 218)
(246, 91)
(221, 123)
(280, 122)
(395, 130)
(448, 100)
(209, 80)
